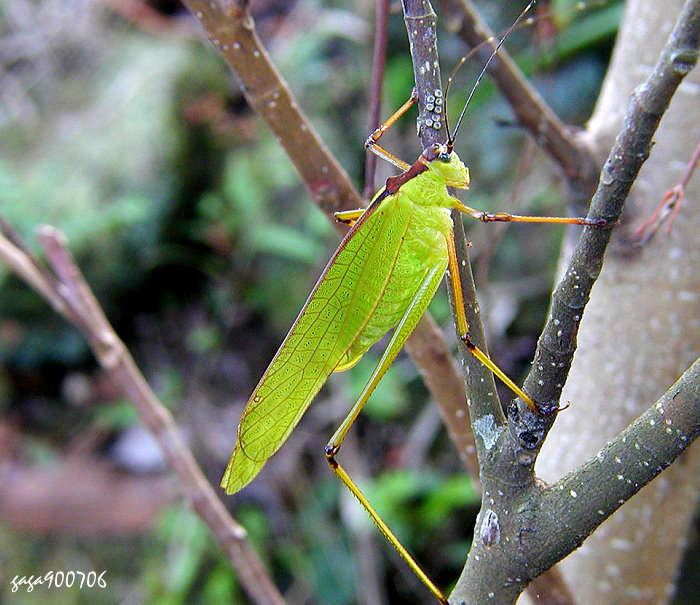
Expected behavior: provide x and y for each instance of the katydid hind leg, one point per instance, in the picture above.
(406, 325)
(384, 528)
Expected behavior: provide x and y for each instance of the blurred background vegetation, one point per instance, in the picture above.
(122, 128)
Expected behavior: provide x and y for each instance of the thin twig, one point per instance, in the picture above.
(231, 29)
(69, 294)
(670, 205)
(375, 104)
(16, 255)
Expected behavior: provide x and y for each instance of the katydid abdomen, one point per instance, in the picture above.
(422, 247)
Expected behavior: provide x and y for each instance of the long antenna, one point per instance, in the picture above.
(450, 140)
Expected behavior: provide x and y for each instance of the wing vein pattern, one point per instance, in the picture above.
(335, 314)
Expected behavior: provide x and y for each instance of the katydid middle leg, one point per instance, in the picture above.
(463, 325)
(349, 217)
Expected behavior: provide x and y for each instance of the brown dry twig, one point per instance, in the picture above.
(64, 287)
(231, 28)
(670, 204)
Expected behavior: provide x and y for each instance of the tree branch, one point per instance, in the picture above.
(488, 421)
(557, 343)
(375, 105)
(517, 506)
(231, 29)
(592, 492)
(420, 22)
(545, 524)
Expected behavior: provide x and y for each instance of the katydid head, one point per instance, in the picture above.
(446, 163)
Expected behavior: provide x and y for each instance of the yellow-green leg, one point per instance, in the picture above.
(463, 325)
(488, 217)
(455, 283)
(371, 142)
(401, 333)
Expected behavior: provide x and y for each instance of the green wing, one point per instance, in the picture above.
(335, 313)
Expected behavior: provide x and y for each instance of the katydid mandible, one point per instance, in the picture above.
(382, 277)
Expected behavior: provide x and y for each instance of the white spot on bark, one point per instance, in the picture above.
(612, 570)
(621, 544)
(490, 530)
(485, 427)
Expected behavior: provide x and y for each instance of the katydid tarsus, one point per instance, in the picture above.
(382, 277)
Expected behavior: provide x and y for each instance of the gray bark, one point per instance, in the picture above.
(640, 331)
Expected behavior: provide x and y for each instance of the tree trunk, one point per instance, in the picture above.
(640, 331)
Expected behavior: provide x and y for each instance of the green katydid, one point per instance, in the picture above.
(382, 277)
